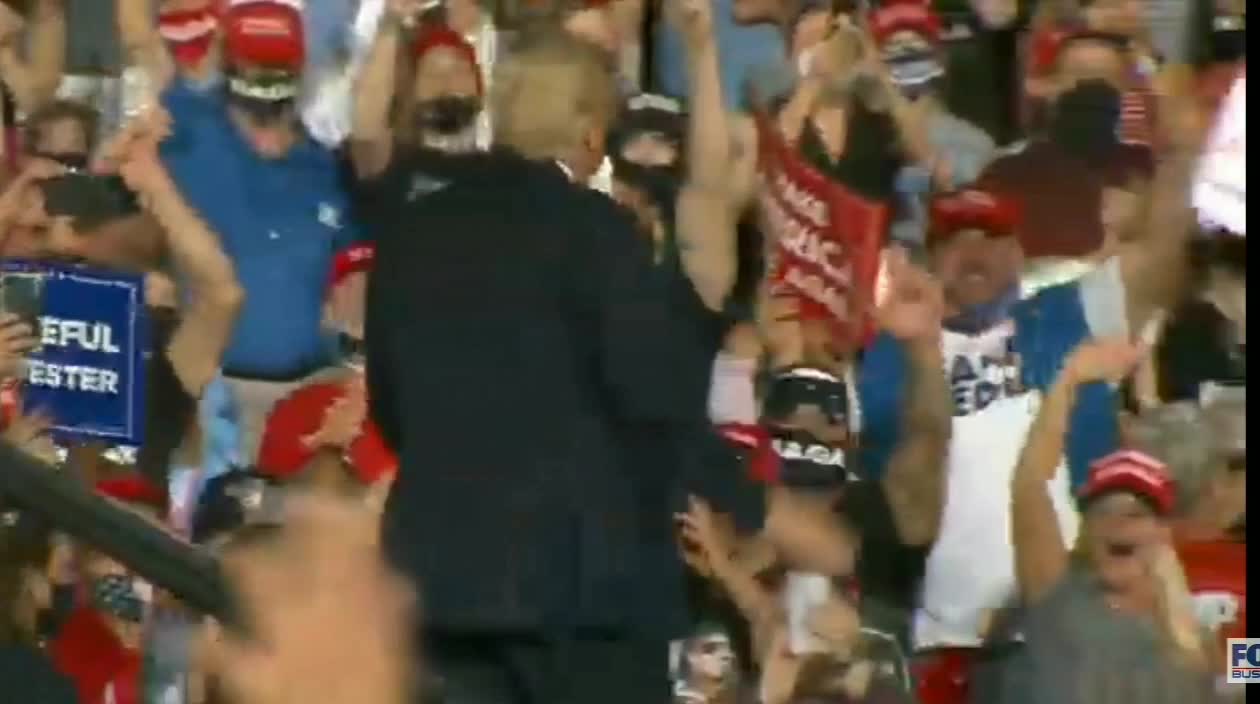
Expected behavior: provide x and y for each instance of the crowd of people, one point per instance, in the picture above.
(472, 361)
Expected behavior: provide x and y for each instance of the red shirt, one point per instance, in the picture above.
(89, 653)
(1216, 572)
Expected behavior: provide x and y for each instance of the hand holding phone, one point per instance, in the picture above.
(17, 339)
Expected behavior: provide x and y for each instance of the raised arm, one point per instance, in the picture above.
(142, 44)
(1146, 264)
(914, 480)
(1041, 558)
(709, 551)
(371, 139)
(33, 80)
(909, 121)
(214, 295)
(705, 218)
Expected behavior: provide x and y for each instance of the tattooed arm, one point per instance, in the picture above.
(915, 483)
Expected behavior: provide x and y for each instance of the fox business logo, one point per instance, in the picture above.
(1243, 660)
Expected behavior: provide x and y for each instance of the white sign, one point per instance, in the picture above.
(1220, 190)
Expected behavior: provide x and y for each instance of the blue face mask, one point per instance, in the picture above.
(976, 319)
(117, 595)
(915, 73)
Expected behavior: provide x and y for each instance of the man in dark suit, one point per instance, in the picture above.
(517, 326)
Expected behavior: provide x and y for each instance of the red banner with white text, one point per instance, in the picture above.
(826, 239)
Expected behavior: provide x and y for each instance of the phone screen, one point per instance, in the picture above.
(91, 199)
(22, 294)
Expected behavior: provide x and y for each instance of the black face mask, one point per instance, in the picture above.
(660, 183)
(268, 98)
(448, 114)
(1086, 118)
(264, 113)
(50, 620)
(915, 73)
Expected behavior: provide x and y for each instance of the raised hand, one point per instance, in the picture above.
(343, 421)
(707, 543)
(405, 12)
(914, 304)
(693, 19)
(310, 647)
(133, 152)
(1109, 360)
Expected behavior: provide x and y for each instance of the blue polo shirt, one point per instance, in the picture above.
(280, 221)
(1048, 327)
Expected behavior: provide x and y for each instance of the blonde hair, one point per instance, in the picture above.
(550, 92)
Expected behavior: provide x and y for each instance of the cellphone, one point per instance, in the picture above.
(22, 294)
(802, 592)
(91, 199)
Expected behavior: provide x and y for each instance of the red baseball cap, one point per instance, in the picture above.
(969, 209)
(1133, 472)
(900, 15)
(283, 453)
(265, 32)
(434, 36)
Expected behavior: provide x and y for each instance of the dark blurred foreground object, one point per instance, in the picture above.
(68, 506)
(26, 673)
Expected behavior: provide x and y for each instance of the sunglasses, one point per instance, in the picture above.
(793, 389)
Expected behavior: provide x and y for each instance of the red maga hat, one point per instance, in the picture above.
(900, 15)
(434, 36)
(268, 33)
(971, 209)
(284, 452)
(1133, 472)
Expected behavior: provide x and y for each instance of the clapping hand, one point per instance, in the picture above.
(133, 152)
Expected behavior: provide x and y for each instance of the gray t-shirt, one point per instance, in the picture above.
(1081, 651)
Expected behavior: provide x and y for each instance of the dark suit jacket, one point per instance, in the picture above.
(515, 325)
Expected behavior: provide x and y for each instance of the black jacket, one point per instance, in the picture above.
(516, 326)
(27, 675)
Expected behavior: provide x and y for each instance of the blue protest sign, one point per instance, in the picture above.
(89, 373)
